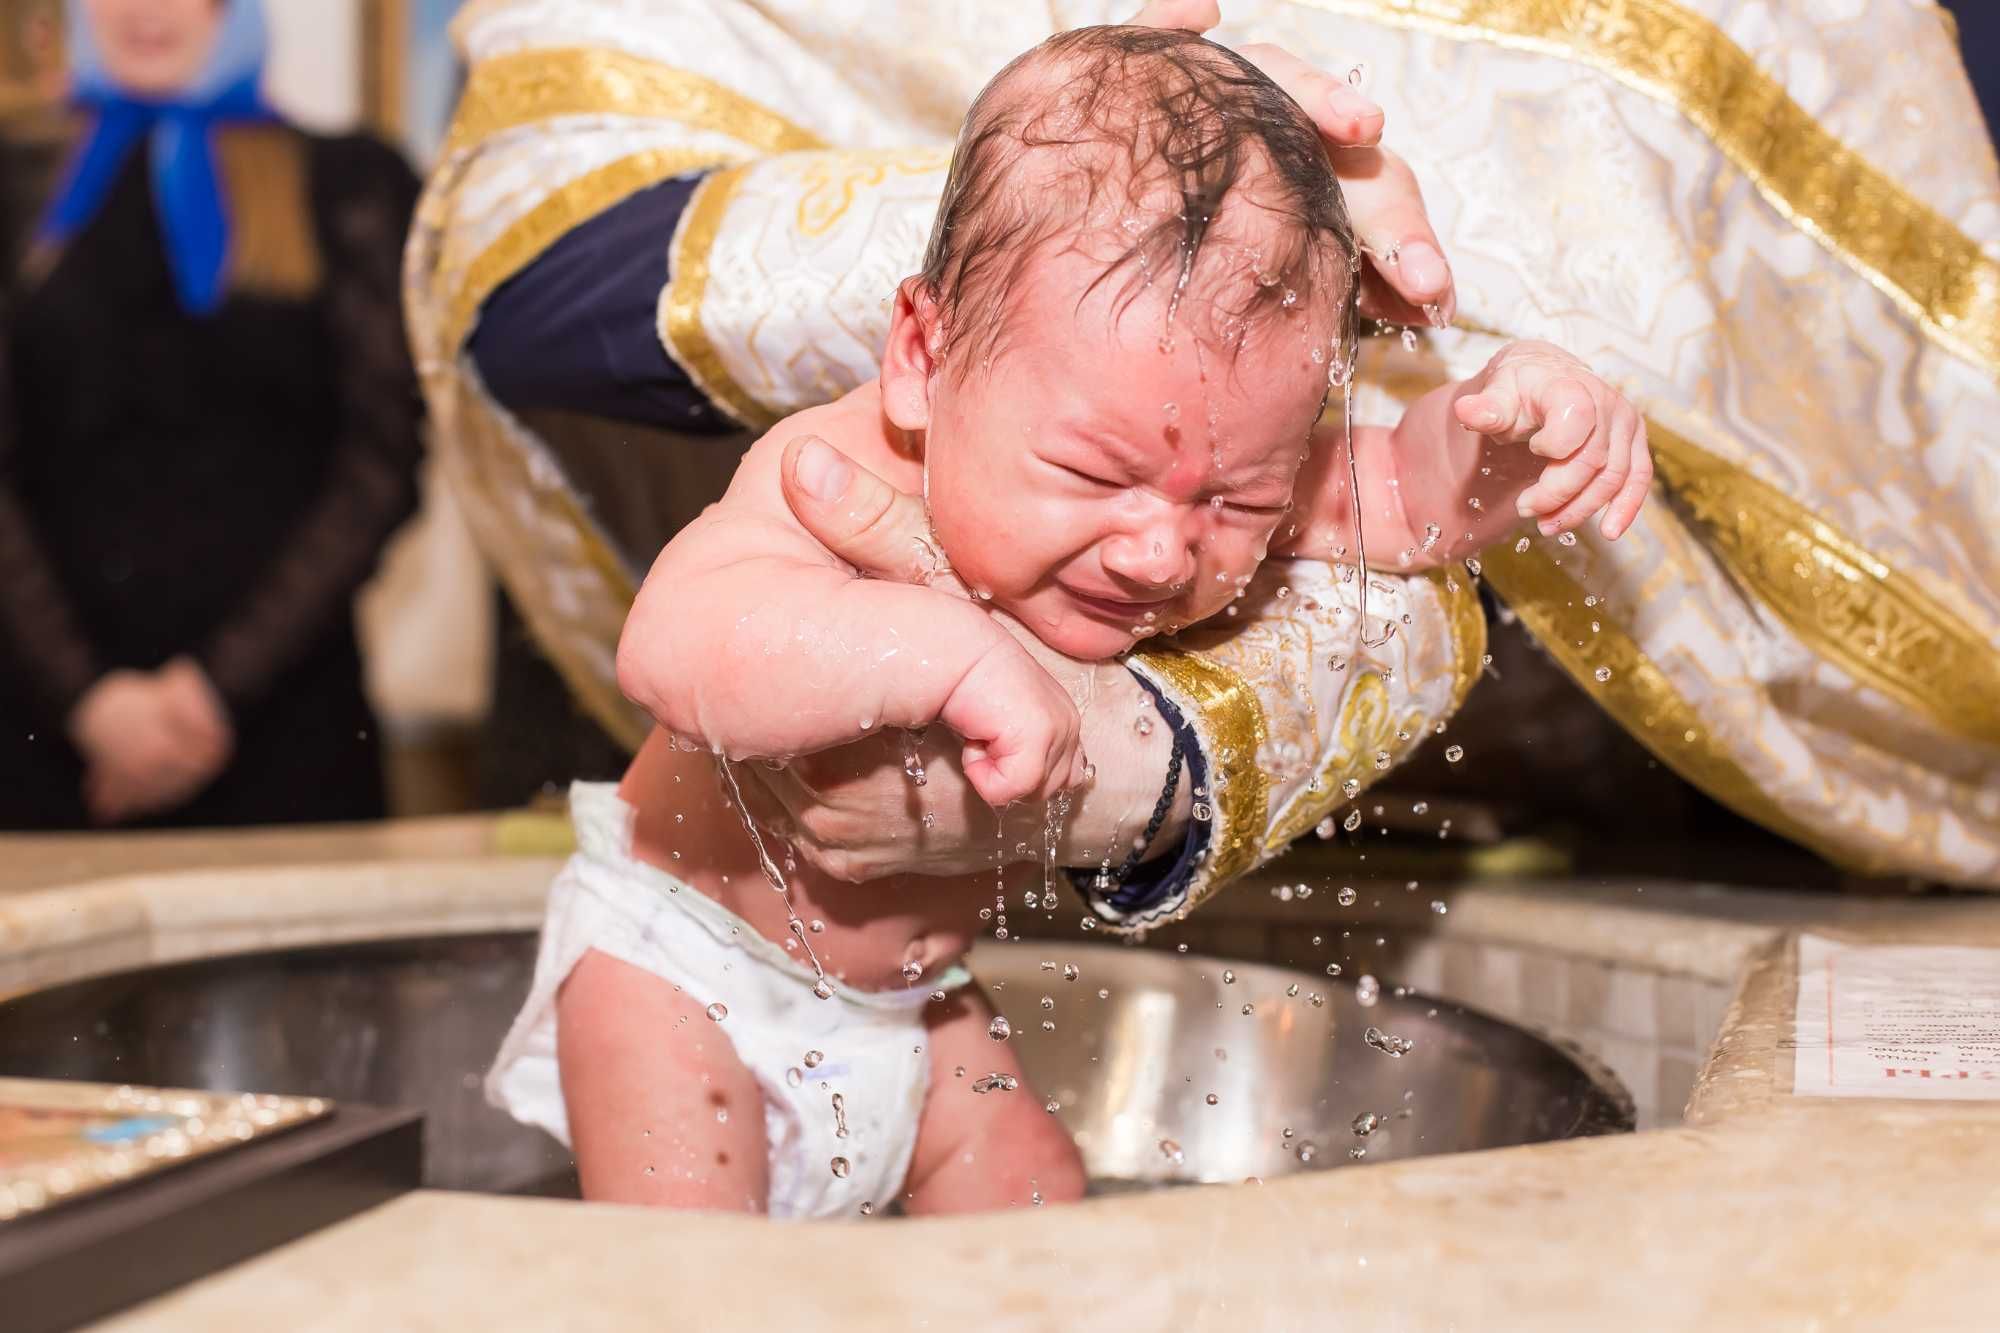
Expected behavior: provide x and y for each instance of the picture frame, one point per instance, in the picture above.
(410, 73)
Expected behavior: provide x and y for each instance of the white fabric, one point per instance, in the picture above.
(873, 1042)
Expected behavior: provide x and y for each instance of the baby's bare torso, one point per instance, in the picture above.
(688, 823)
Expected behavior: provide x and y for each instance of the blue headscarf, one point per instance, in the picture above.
(187, 195)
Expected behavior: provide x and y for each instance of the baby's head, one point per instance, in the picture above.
(1140, 278)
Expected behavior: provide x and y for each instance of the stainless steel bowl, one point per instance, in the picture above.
(1137, 1044)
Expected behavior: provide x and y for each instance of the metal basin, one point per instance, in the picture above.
(1138, 1044)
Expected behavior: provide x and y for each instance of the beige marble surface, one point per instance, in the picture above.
(1764, 1211)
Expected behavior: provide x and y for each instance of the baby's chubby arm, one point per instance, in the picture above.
(1453, 476)
(750, 635)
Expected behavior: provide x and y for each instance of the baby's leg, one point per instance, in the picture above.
(995, 1149)
(661, 1110)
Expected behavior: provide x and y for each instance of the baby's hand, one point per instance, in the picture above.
(1023, 738)
(1538, 394)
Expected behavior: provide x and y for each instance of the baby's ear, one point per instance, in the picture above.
(911, 360)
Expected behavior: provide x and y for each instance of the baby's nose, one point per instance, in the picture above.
(1157, 559)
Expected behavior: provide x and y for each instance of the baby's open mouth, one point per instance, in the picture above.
(1117, 608)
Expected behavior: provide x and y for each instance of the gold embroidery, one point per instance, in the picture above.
(680, 323)
(1906, 249)
(1850, 608)
(571, 587)
(547, 222)
(1231, 719)
(1642, 697)
(833, 179)
(1366, 729)
(1467, 616)
(507, 92)
(273, 244)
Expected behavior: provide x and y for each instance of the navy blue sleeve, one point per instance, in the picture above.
(1155, 882)
(1979, 43)
(577, 330)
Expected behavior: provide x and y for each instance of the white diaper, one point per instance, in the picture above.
(872, 1043)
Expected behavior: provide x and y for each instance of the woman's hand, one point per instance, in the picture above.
(1406, 269)
(151, 740)
(857, 813)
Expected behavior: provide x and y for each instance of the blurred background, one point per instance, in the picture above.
(427, 619)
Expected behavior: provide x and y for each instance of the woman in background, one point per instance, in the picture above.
(210, 429)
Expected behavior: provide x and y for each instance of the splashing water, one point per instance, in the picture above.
(1342, 376)
(821, 986)
(1395, 1047)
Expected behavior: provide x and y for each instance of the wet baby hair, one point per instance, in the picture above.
(1161, 148)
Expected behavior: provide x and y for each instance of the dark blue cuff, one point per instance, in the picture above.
(578, 329)
(1164, 878)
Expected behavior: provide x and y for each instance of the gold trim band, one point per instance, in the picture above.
(1849, 607)
(507, 92)
(1641, 696)
(548, 221)
(1911, 253)
(1228, 711)
(680, 325)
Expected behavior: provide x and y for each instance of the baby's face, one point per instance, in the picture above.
(1103, 485)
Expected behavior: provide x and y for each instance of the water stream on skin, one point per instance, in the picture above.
(822, 987)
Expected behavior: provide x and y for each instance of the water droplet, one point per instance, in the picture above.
(1398, 1047)
(1453, 753)
(1350, 787)
(1070, 972)
(1173, 410)
(840, 1167)
(1565, 539)
(1382, 760)
(717, 1012)
(1602, 674)
(867, 1209)
(839, 1116)
(649, 1171)
(1366, 1123)
(1357, 1152)
(1172, 1151)
(1228, 977)
(1201, 812)
(1352, 822)
(1212, 1099)
(995, 1083)
(1521, 546)
(1431, 534)
(1437, 906)
(1367, 990)
(813, 1058)
(1052, 1106)
(1325, 828)
(1346, 896)
(998, 1028)
(823, 989)
(912, 970)
(795, 1077)
(1409, 340)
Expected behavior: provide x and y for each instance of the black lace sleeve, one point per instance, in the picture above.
(364, 196)
(41, 640)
